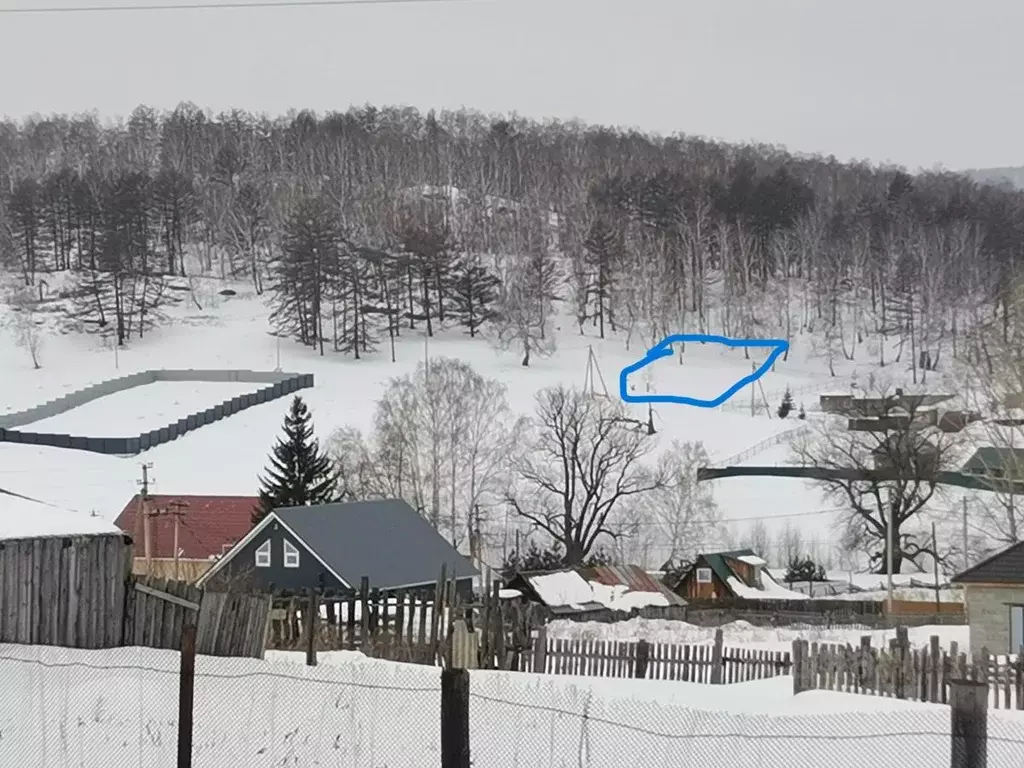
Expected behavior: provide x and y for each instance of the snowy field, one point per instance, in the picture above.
(233, 333)
(118, 709)
(741, 634)
(141, 409)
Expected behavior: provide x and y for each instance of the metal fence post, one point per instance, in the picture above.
(186, 695)
(455, 718)
(969, 723)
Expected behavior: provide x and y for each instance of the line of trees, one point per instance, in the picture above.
(577, 474)
(366, 222)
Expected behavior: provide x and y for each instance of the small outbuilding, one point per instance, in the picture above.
(739, 573)
(994, 598)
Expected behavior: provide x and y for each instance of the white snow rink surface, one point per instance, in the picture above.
(141, 409)
(117, 708)
(745, 635)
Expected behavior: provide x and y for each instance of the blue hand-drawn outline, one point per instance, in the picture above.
(664, 349)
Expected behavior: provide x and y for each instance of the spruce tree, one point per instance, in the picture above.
(787, 404)
(474, 292)
(300, 474)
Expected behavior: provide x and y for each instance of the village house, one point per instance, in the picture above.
(591, 592)
(180, 537)
(994, 597)
(996, 462)
(741, 573)
(333, 546)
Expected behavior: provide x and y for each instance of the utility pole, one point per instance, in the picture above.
(144, 509)
(967, 562)
(504, 540)
(177, 509)
(753, 369)
(889, 526)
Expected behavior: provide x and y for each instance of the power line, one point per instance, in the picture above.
(209, 6)
(790, 514)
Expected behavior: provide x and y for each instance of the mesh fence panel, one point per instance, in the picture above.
(118, 709)
(588, 726)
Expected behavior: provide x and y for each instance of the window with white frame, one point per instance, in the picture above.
(291, 556)
(703, 575)
(263, 555)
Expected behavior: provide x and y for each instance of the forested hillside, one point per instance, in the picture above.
(359, 225)
(1014, 176)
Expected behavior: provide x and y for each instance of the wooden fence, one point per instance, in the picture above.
(226, 624)
(401, 625)
(66, 591)
(654, 661)
(78, 592)
(709, 615)
(920, 674)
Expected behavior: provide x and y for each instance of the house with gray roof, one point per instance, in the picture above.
(333, 546)
(997, 462)
(994, 599)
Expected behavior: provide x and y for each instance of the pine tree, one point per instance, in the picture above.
(803, 569)
(474, 293)
(300, 474)
(786, 407)
(803, 414)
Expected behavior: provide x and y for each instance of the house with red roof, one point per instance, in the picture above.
(200, 528)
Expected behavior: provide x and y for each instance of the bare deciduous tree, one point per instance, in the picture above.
(440, 440)
(682, 513)
(902, 442)
(789, 543)
(582, 470)
(995, 392)
(758, 538)
(26, 321)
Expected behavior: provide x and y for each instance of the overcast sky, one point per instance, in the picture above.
(916, 82)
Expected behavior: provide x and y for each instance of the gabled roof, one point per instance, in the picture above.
(716, 562)
(1006, 567)
(209, 525)
(387, 541)
(987, 458)
(768, 588)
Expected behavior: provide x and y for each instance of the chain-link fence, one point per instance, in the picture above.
(119, 709)
(604, 725)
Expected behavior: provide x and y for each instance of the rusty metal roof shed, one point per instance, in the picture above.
(632, 576)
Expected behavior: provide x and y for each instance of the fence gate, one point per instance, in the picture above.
(226, 624)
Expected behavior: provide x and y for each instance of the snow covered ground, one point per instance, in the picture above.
(140, 409)
(118, 708)
(233, 332)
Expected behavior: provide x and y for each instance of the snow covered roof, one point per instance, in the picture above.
(22, 519)
(752, 560)
(769, 588)
(619, 588)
